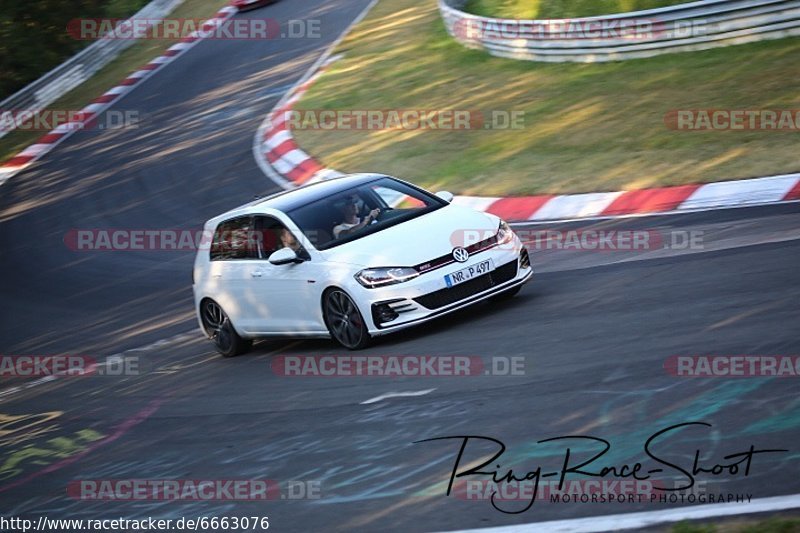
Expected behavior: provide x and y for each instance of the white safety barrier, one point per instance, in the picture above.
(679, 28)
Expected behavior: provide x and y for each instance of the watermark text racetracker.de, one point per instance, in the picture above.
(376, 366)
(248, 490)
(780, 120)
(136, 239)
(171, 240)
(31, 366)
(50, 119)
(594, 29)
(733, 366)
(587, 491)
(187, 240)
(176, 28)
(400, 119)
(588, 240)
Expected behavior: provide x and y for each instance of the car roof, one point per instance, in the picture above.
(288, 200)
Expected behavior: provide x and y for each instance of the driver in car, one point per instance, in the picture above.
(352, 222)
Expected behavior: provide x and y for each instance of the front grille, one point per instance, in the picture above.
(445, 260)
(451, 295)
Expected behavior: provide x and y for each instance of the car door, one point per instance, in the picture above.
(284, 297)
(233, 250)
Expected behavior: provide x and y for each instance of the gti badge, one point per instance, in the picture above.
(460, 255)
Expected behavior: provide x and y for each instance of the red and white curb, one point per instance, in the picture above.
(47, 142)
(276, 150)
(683, 198)
(279, 156)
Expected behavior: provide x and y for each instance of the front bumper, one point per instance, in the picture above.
(244, 5)
(399, 306)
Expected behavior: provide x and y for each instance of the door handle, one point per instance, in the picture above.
(256, 273)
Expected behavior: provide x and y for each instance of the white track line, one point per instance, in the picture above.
(388, 395)
(615, 522)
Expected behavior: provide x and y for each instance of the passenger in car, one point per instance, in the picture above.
(288, 240)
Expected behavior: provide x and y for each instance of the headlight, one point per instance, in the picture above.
(378, 277)
(504, 233)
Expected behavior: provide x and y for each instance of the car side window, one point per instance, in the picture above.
(273, 236)
(234, 239)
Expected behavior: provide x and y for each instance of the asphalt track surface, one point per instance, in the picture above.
(593, 329)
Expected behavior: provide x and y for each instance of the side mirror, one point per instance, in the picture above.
(446, 196)
(284, 256)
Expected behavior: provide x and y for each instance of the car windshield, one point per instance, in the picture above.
(363, 210)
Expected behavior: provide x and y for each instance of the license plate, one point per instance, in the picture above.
(466, 274)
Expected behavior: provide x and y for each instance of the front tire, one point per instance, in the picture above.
(219, 329)
(344, 320)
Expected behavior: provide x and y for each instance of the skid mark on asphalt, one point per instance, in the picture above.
(408, 394)
(153, 346)
(747, 314)
(647, 409)
(637, 408)
(272, 92)
(188, 362)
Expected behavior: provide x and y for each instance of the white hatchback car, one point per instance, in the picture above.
(349, 258)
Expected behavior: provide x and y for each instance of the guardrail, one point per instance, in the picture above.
(80, 67)
(679, 28)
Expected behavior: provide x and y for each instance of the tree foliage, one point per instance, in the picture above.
(34, 37)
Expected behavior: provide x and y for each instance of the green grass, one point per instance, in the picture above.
(109, 76)
(771, 525)
(588, 127)
(554, 9)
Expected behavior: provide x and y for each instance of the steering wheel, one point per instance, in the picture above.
(381, 215)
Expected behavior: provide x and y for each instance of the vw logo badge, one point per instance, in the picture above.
(460, 255)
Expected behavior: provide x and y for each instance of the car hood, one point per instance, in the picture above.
(417, 241)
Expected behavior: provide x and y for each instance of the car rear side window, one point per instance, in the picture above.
(235, 239)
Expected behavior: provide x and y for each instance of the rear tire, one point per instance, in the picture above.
(220, 330)
(344, 320)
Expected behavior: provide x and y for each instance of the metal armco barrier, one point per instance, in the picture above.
(679, 28)
(80, 67)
